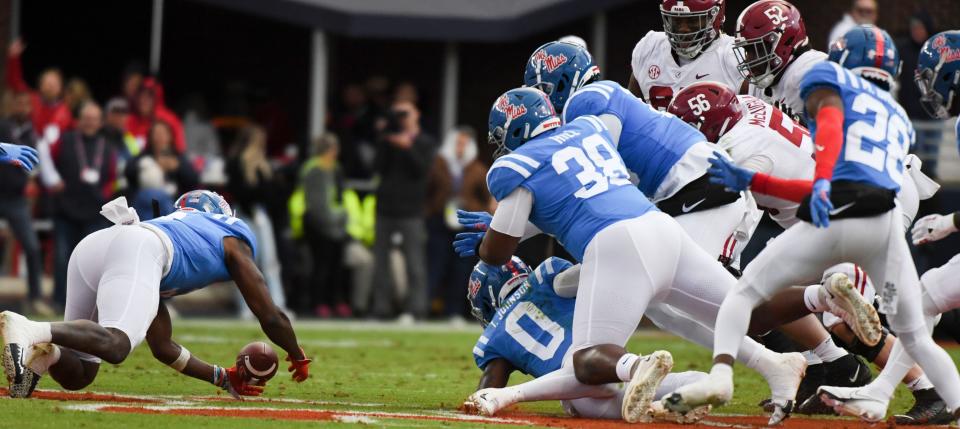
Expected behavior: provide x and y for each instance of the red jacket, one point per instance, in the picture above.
(44, 113)
(139, 126)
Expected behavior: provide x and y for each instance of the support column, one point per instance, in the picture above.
(598, 42)
(156, 36)
(451, 84)
(319, 75)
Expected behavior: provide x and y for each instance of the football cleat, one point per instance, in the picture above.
(848, 371)
(928, 409)
(648, 372)
(848, 304)
(851, 401)
(659, 413)
(487, 402)
(784, 379)
(16, 343)
(38, 362)
(715, 390)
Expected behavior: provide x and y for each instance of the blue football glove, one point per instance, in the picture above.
(820, 205)
(465, 243)
(23, 156)
(723, 172)
(479, 221)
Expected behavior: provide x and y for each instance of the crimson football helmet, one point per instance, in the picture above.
(692, 24)
(712, 107)
(769, 34)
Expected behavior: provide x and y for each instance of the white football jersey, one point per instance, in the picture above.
(768, 141)
(660, 77)
(785, 94)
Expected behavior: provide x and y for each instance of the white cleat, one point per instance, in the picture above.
(659, 413)
(715, 390)
(38, 362)
(848, 304)
(487, 402)
(647, 375)
(784, 378)
(851, 401)
(18, 336)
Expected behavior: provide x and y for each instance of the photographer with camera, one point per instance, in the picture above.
(404, 157)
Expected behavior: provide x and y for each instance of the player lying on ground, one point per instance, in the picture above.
(670, 160)
(759, 137)
(583, 197)
(866, 226)
(115, 281)
(938, 77)
(528, 321)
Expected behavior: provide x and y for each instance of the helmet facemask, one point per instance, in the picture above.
(689, 44)
(757, 59)
(930, 99)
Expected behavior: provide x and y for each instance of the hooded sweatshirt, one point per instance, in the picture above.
(139, 125)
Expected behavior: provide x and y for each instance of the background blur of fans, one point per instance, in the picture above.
(346, 144)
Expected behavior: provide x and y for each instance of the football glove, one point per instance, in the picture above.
(229, 379)
(479, 221)
(465, 243)
(932, 228)
(25, 157)
(820, 205)
(723, 172)
(299, 368)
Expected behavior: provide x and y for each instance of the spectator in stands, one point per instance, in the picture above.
(179, 175)
(929, 133)
(250, 183)
(87, 166)
(861, 12)
(149, 107)
(48, 106)
(468, 191)
(14, 207)
(130, 81)
(117, 111)
(152, 187)
(76, 93)
(203, 143)
(404, 158)
(325, 224)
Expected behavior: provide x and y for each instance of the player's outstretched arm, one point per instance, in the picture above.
(165, 350)
(496, 374)
(244, 272)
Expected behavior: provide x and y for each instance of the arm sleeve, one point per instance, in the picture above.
(790, 190)
(829, 139)
(513, 212)
(15, 75)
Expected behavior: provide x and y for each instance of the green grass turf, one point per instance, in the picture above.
(410, 370)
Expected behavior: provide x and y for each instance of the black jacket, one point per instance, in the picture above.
(403, 177)
(80, 200)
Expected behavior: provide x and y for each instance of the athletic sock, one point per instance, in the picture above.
(722, 370)
(812, 358)
(813, 299)
(921, 383)
(625, 366)
(828, 351)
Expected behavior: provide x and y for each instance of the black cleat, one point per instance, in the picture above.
(848, 371)
(928, 409)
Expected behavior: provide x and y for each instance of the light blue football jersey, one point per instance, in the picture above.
(197, 239)
(578, 181)
(533, 328)
(651, 141)
(877, 134)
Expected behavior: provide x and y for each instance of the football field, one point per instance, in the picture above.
(376, 375)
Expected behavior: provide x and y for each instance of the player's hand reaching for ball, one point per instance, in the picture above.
(231, 380)
(24, 157)
(726, 173)
(299, 367)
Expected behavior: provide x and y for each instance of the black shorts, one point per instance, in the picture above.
(696, 196)
(853, 200)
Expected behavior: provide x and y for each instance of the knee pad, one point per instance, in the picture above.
(859, 348)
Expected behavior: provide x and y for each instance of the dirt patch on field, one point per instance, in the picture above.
(88, 397)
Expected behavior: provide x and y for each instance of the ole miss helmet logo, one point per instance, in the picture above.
(551, 62)
(947, 55)
(473, 288)
(512, 111)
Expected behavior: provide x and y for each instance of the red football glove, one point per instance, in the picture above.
(299, 368)
(229, 379)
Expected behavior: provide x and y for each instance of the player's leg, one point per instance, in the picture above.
(609, 407)
(715, 230)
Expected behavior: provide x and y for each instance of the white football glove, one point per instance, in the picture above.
(932, 228)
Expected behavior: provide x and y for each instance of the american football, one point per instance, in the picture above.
(257, 363)
(498, 213)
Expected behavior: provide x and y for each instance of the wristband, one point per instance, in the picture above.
(219, 377)
(181, 361)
